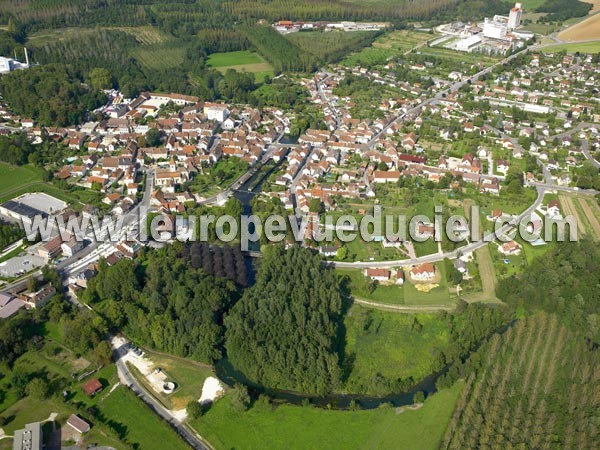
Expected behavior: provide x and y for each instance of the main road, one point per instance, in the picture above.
(436, 257)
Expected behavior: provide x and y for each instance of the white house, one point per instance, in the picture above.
(423, 272)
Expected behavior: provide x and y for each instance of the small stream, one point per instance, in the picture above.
(227, 373)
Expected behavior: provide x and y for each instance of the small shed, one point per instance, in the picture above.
(91, 387)
(78, 424)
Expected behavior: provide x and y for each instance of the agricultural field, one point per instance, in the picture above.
(331, 46)
(146, 35)
(585, 30)
(581, 47)
(242, 61)
(487, 273)
(161, 56)
(402, 40)
(402, 350)
(285, 426)
(387, 46)
(531, 379)
(586, 211)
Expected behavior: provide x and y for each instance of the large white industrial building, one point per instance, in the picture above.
(495, 29)
(9, 64)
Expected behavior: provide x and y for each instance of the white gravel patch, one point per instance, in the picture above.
(211, 390)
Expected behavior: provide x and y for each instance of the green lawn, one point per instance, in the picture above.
(234, 58)
(139, 424)
(188, 376)
(13, 177)
(437, 296)
(294, 427)
(386, 343)
(383, 293)
(588, 47)
(242, 61)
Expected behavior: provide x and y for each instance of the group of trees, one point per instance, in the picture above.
(52, 94)
(18, 150)
(284, 331)
(561, 10)
(279, 51)
(166, 302)
(566, 282)
(587, 176)
(9, 233)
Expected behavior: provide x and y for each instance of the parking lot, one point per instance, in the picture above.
(20, 265)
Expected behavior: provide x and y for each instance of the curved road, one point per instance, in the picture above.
(436, 257)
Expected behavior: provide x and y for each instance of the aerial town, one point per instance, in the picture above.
(488, 118)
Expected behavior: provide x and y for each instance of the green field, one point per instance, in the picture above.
(359, 287)
(242, 61)
(141, 425)
(18, 180)
(124, 417)
(229, 59)
(12, 178)
(293, 427)
(386, 343)
(586, 47)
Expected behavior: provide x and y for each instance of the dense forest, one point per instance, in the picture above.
(284, 331)
(53, 94)
(167, 301)
(560, 10)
